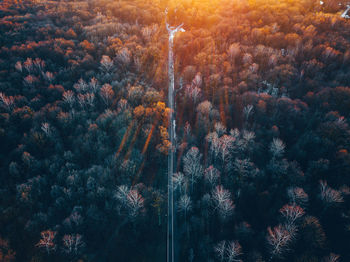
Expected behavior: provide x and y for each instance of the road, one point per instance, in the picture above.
(171, 155)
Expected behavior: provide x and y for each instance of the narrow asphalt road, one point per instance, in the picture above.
(171, 104)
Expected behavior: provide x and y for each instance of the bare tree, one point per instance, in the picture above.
(205, 108)
(292, 213)
(187, 129)
(124, 56)
(122, 194)
(18, 66)
(277, 148)
(220, 129)
(107, 94)
(47, 241)
(29, 80)
(244, 168)
(122, 105)
(81, 86)
(233, 51)
(74, 220)
(222, 202)
(6, 101)
(39, 64)
(106, 64)
(184, 205)
(135, 203)
(233, 251)
(248, 137)
(211, 175)
(69, 98)
(48, 76)
(45, 127)
(331, 258)
(197, 80)
(193, 92)
(86, 100)
(329, 195)
(226, 146)
(28, 65)
(73, 244)
(214, 142)
(228, 251)
(297, 196)
(247, 111)
(149, 31)
(220, 250)
(235, 133)
(93, 85)
(179, 182)
(192, 166)
(279, 239)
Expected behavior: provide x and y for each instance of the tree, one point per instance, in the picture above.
(107, 94)
(131, 201)
(193, 92)
(205, 108)
(135, 203)
(19, 66)
(47, 241)
(81, 86)
(28, 65)
(135, 94)
(279, 239)
(46, 128)
(211, 175)
(220, 129)
(184, 205)
(30, 80)
(247, 110)
(292, 213)
(69, 98)
(192, 166)
(228, 251)
(180, 182)
(233, 251)
(93, 85)
(73, 244)
(214, 142)
(226, 145)
(277, 148)
(220, 250)
(6, 253)
(122, 194)
(234, 51)
(312, 233)
(222, 202)
(331, 258)
(297, 196)
(86, 100)
(48, 76)
(106, 64)
(245, 169)
(329, 195)
(6, 101)
(124, 56)
(74, 220)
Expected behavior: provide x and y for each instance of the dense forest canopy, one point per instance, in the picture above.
(262, 128)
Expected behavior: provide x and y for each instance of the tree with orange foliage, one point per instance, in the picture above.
(47, 241)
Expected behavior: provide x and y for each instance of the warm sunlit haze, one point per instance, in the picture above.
(174, 131)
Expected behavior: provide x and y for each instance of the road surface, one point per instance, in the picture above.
(171, 155)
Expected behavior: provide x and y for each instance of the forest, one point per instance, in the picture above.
(262, 163)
